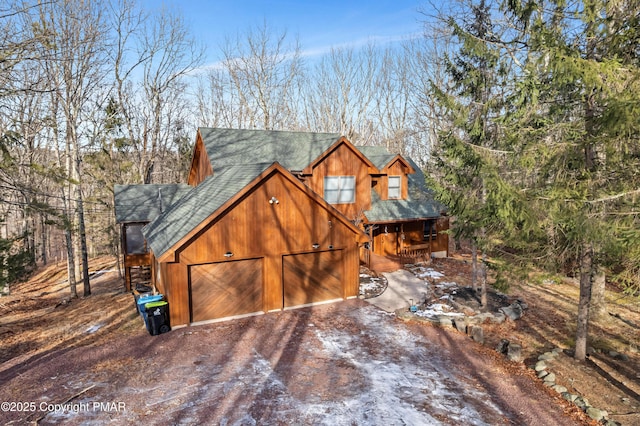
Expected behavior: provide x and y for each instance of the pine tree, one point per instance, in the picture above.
(575, 125)
(469, 160)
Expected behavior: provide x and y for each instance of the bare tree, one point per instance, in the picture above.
(152, 56)
(264, 72)
(341, 93)
(73, 41)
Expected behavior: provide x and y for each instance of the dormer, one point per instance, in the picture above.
(392, 183)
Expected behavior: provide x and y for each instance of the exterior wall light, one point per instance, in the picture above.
(274, 200)
(228, 254)
(315, 245)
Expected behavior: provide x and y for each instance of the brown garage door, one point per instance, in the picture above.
(226, 289)
(312, 277)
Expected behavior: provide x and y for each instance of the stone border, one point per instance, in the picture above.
(513, 352)
(549, 379)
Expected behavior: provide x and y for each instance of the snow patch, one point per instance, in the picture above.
(423, 273)
(93, 328)
(437, 309)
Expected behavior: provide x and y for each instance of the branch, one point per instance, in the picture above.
(614, 197)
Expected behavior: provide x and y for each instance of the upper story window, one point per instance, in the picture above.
(340, 189)
(394, 187)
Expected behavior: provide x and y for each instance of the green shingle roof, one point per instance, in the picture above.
(420, 203)
(293, 150)
(378, 155)
(143, 203)
(198, 204)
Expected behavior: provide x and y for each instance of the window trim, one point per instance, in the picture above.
(399, 187)
(341, 190)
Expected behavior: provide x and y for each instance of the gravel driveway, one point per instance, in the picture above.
(339, 364)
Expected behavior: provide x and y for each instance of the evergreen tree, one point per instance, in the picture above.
(469, 159)
(575, 126)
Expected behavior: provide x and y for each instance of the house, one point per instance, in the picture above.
(272, 220)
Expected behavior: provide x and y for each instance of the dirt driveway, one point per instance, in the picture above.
(339, 364)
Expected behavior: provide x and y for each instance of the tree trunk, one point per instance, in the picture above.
(83, 246)
(483, 281)
(82, 237)
(598, 308)
(474, 266)
(71, 267)
(43, 236)
(586, 280)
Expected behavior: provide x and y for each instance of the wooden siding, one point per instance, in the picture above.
(254, 228)
(156, 273)
(397, 168)
(175, 276)
(386, 240)
(312, 277)
(226, 289)
(442, 242)
(343, 161)
(200, 164)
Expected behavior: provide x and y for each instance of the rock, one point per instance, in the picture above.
(513, 311)
(503, 346)
(498, 318)
(514, 352)
(623, 357)
(540, 365)
(484, 316)
(477, 333)
(551, 377)
(445, 321)
(613, 354)
(569, 396)
(557, 351)
(596, 414)
(542, 373)
(559, 389)
(581, 403)
(460, 324)
(547, 356)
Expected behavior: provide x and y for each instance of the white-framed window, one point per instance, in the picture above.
(395, 188)
(340, 189)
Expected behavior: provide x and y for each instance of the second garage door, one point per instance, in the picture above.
(312, 277)
(225, 289)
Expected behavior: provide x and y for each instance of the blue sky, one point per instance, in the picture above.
(318, 24)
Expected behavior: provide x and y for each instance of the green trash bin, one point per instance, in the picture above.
(157, 317)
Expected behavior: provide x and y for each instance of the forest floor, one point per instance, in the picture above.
(60, 359)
